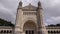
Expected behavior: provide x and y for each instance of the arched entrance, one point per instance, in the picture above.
(30, 27)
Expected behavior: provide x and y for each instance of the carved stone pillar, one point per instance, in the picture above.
(40, 22)
(18, 25)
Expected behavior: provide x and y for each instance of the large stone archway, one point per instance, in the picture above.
(30, 27)
(34, 19)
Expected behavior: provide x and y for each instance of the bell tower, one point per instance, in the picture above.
(40, 22)
(29, 20)
(18, 19)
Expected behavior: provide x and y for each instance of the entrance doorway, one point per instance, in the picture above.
(29, 27)
(29, 32)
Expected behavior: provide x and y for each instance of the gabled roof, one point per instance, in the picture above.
(29, 7)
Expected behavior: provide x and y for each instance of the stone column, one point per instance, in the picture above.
(41, 25)
(18, 25)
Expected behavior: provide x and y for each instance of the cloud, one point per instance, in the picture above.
(53, 20)
(8, 9)
(26, 2)
(51, 8)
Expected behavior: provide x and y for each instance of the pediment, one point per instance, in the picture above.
(29, 7)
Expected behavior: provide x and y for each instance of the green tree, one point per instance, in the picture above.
(5, 23)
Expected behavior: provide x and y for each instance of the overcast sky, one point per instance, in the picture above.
(51, 8)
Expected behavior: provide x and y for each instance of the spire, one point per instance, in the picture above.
(20, 5)
(39, 5)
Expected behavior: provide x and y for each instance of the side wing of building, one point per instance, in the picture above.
(6, 30)
(53, 29)
(10, 30)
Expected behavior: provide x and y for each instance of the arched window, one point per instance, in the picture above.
(7, 31)
(10, 31)
(26, 32)
(57, 31)
(1, 31)
(4, 31)
(32, 32)
(54, 31)
(49, 32)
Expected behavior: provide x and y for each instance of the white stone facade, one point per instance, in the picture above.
(10, 30)
(30, 20)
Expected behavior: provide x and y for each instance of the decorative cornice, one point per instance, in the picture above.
(29, 8)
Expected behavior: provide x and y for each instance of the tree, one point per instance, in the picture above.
(5, 23)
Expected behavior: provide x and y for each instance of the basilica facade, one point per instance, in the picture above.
(29, 20)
